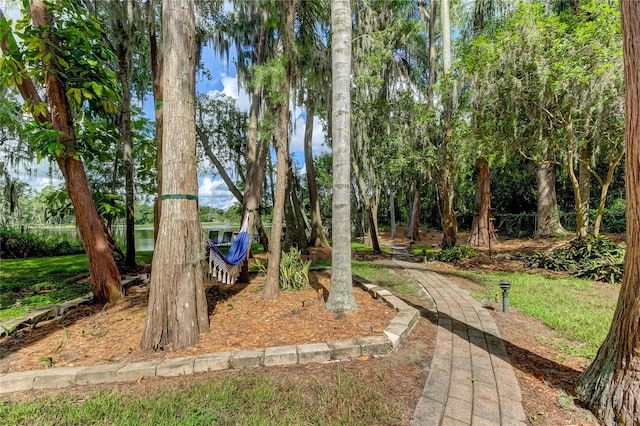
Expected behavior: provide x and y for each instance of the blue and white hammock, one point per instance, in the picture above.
(227, 268)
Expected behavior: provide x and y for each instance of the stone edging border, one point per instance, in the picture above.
(397, 330)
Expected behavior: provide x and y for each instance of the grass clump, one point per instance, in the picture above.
(358, 247)
(385, 276)
(594, 258)
(454, 254)
(294, 270)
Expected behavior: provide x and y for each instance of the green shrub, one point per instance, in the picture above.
(18, 244)
(455, 254)
(594, 258)
(614, 219)
(515, 225)
(294, 271)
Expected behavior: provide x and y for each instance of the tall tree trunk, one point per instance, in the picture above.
(300, 219)
(375, 205)
(581, 228)
(610, 386)
(449, 221)
(271, 184)
(177, 311)
(341, 297)
(432, 51)
(318, 237)
(124, 76)
(155, 57)
(448, 216)
(584, 182)
(271, 287)
(392, 214)
(613, 163)
(548, 216)
(371, 226)
(414, 218)
(262, 233)
(482, 230)
(290, 225)
(104, 275)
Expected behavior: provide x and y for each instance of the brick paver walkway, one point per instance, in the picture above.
(471, 381)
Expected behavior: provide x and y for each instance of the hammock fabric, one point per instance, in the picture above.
(227, 268)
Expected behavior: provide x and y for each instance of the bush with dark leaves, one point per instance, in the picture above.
(594, 258)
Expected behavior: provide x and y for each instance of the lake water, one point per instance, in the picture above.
(143, 234)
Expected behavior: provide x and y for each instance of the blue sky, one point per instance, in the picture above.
(212, 191)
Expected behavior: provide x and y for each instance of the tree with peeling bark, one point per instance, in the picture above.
(482, 230)
(69, 84)
(177, 311)
(341, 298)
(610, 386)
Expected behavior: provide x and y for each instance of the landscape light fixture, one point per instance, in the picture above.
(505, 285)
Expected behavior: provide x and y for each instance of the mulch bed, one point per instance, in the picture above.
(239, 319)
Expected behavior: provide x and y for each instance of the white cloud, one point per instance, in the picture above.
(216, 194)
(11, 9)
(317, 138)
(38, 183)
(35, 174)
(230, 88)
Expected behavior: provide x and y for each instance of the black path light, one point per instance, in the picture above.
(505, 285)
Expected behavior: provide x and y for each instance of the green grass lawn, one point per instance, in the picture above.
(31, 282)
(251, 398)
(40, 281)
(579, 310)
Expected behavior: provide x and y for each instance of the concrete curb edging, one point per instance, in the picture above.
(398, 329)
